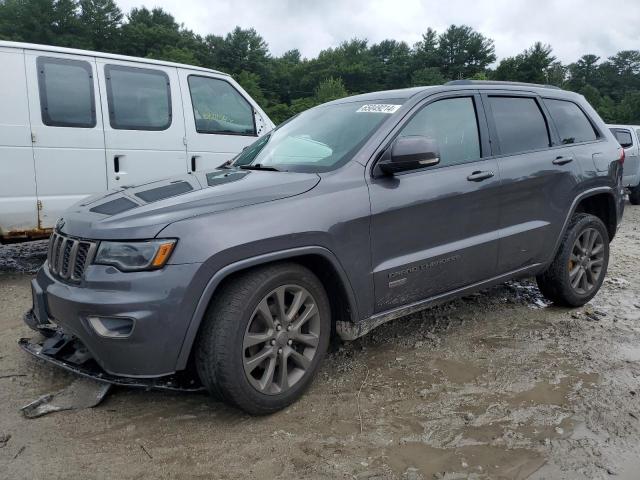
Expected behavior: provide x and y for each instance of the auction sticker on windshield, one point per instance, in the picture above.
(379, 108)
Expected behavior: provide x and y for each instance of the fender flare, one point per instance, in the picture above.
(586, 194)
(220, 275)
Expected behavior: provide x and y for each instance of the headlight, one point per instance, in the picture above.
(133, 256)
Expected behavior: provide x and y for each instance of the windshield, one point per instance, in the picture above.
(320, 139)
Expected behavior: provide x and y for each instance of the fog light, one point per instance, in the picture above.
(112, 327)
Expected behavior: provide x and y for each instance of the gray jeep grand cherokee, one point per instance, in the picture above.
(351, 214)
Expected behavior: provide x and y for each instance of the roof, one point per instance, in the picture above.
(500, 83)
(622, 126)
(399, 94)
(112, 56)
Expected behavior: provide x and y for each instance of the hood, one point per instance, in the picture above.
(143, 211)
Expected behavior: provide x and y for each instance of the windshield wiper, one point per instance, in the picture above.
(257, 166)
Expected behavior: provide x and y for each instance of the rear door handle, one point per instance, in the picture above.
(562, 160)
(116, 163)
(480, 176)
(193, 163)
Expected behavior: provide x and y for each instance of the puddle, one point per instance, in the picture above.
(494, 462)
(545, 393)
(457, 372)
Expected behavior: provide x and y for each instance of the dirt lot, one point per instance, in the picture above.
(495, 385)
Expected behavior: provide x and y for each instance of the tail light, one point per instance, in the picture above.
(621, 156)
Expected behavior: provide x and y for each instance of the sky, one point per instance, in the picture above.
(572, 27)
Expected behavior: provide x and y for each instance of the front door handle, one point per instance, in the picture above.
(480, 176)
(193, 163)
(562, 160)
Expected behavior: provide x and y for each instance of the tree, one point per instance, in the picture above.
(330, 89)
(535, 65)
(427, 76)
(391, 62)
(251, 83)
(101, 20)
(464, 52)
(425, 52)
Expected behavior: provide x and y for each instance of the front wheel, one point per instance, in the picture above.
(578, 270)
(264, 337)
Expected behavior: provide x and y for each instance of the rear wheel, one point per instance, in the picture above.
(264, 337)
(576, 274)
(634, 195)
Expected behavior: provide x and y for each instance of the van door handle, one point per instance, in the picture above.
(480, 176)
(562, 160)
(193, 163)
(116, 163)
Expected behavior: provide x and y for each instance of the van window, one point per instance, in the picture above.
(520, 125)
(66, 93)
(452, 123)
(623, 136)
(139, 98)
(571, 122)
(219, 108)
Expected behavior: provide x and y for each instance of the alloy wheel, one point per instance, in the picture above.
(586, 261)
(281, 339)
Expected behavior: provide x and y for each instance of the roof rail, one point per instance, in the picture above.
(498, 82)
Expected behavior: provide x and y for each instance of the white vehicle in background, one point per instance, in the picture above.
(74, 123)
(627, 136)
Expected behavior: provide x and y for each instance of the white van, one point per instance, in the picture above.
(73, 123)
(628, 137)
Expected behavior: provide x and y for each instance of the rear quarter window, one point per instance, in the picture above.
(571, 122)
(623, 137)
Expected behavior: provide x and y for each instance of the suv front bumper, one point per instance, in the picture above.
(67, 352)
(155, 302)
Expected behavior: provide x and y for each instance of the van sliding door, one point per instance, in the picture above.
(144, 123)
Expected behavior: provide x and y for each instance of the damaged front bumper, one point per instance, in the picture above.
(68, 352)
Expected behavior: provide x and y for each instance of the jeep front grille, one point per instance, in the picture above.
(68, 257)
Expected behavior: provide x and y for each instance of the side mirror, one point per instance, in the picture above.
(410, 153)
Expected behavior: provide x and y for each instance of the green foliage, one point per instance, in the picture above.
(427, 76)
(288, 84)
(330, 89)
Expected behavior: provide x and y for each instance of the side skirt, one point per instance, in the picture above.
(351, 331)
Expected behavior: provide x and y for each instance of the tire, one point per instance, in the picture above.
(232, 367)
(557, 283)
(634, 195)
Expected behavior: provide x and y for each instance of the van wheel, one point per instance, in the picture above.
(576, 274)
(634, 195)
(263, 338)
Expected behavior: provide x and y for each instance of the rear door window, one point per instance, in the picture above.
(66, 93)
(453, 124)
(519, 123)
(219, 108)
(572, 123)
(623, 136)
(138, 98)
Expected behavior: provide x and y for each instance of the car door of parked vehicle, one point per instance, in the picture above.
(435, 230)
(144, 122)
(539, 176)
(67, 130)
(219, 119)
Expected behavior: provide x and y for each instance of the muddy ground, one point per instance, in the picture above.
(495, 385)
